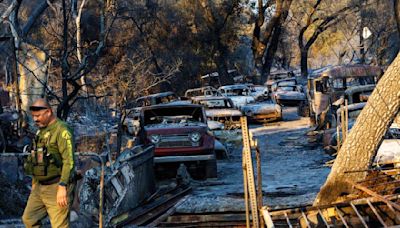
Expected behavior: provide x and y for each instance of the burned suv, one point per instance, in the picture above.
(220, 109)
(179, 133)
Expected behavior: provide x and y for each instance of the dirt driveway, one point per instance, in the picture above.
(292, 170)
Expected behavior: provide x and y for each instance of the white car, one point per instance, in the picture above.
(259, 92)
(263, 112)
(239, 94)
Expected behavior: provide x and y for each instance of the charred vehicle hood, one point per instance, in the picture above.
(241, 100)
(261, 108)
(223, 112)
(292, 95)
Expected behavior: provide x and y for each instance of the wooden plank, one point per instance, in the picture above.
(322, 217)
(209, 217)
(267, 218)
(288, 220)
(167, 213)
(374, 194)
(306, 219)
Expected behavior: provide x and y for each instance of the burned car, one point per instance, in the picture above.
(288, 95)
(131, 123)
(157, 98)
(202, 91)
(263, 112)
(240, 94)
(180, 135)
(259, 92)
(324, 89)
(220, 109)
(276, 76)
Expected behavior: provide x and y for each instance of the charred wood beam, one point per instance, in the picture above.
(295, 212)
(146, 213)
(323, 218)
(374, 194)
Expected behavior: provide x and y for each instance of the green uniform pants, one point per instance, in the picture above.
(42, 202)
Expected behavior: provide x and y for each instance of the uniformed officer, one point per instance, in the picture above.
(52, 167)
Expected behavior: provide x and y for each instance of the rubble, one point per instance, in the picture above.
(127, 183)
(15, 192)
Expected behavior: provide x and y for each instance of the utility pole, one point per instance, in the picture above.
(360, 33)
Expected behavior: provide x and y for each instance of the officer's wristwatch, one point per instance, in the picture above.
(62, 184)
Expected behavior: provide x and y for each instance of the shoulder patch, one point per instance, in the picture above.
(66, 134)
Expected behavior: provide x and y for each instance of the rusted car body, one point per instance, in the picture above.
(220, 109)
(240, 94)
(331, 84)
(263, 112)
(131, 123)
(276, 76)
(259, 92)
(157, 98)
(202, 91)
(179, 134)
(388, 152)
(288, 95)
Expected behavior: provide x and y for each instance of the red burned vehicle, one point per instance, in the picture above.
(179, 133)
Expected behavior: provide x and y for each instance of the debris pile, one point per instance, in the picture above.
(12, 192)
(127, 183)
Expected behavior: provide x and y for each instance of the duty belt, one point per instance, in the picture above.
(51, 181)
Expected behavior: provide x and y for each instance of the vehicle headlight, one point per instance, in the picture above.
(155, 138)
(195, 136)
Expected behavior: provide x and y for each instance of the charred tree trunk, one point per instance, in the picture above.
(220, 61)
(397, 14)
(273, 46)
(361, 144)
(261, 39)
(269, 58)
(304, 62)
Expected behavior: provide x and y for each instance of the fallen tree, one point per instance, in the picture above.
(361, 144)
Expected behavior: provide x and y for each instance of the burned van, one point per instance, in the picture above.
(328, 87)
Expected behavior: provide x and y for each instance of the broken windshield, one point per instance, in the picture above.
(237, 92)
(216, 104)
(173, 115)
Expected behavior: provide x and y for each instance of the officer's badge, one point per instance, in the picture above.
(46, 135)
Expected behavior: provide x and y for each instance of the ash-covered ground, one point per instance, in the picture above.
(292, 170)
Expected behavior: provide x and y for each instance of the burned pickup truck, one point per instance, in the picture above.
(131, 122)
(220, 109)
(179, 133)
